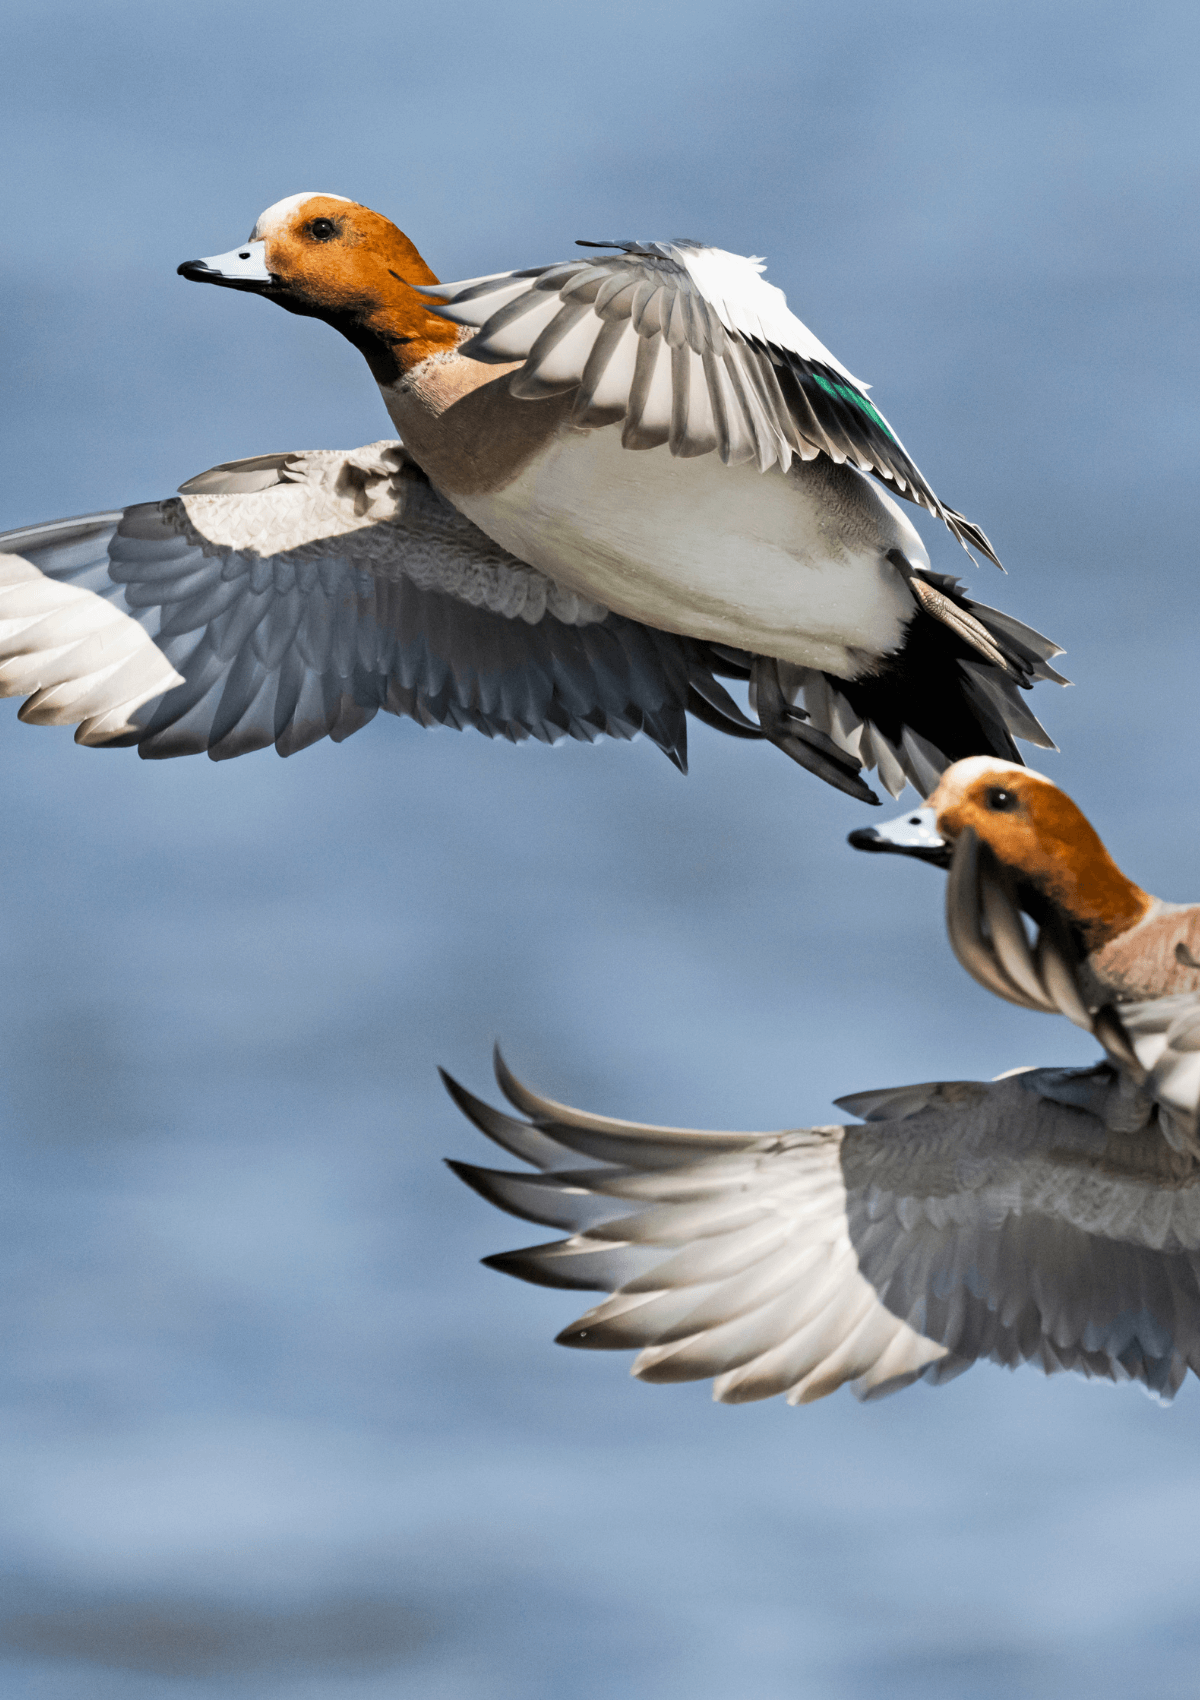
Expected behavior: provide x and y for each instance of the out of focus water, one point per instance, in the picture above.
(267, 1427)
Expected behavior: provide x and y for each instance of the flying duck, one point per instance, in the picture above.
(1017, 1220)
(619, 480)
(1115, 960)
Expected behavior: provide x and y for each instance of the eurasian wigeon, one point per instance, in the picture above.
(755, 545)
(788, 554)
(1013, 1220)
(1117, 961)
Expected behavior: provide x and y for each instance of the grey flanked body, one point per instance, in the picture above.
(1016, 1221)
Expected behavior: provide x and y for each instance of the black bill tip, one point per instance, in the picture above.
(197, 272)
(868, 838)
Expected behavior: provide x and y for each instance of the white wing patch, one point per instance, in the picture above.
(78, 656)
(748, 306)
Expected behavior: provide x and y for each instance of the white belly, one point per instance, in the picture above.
(786, 564)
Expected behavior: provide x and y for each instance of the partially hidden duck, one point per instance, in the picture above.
(1116, 960)
(624, 478)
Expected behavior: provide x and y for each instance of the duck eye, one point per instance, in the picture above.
(1003, 802)
(322, 229)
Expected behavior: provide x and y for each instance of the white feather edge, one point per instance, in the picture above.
(78, 657)
(81, 659)
(745, 303)
(731, 284)
(759, 1285)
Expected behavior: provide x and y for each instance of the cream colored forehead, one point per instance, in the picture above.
(959, 779)
(279, 215)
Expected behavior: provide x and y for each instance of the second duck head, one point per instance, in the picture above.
(1033, 829)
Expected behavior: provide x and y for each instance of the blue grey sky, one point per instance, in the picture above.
(250, 1362)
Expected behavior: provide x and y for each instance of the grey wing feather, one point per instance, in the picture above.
(645, 338)
(289, 598)
(965, 1220)
(634, 337)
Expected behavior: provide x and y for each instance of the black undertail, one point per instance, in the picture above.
(939, 698)
(941, 688)
(924, 688)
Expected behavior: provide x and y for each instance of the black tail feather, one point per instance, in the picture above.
(925, 686)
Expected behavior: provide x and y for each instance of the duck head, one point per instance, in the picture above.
(1034, 830)
(330, 258)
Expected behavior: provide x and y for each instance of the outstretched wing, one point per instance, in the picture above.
(686, 345)
(288, 598)
(963, 1221)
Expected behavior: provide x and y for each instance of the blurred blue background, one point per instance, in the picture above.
(267, 1428)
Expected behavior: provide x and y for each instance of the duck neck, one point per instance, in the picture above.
(1082, 880)
(390, 324)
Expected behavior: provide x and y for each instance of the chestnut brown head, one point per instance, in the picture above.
(329, 258)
